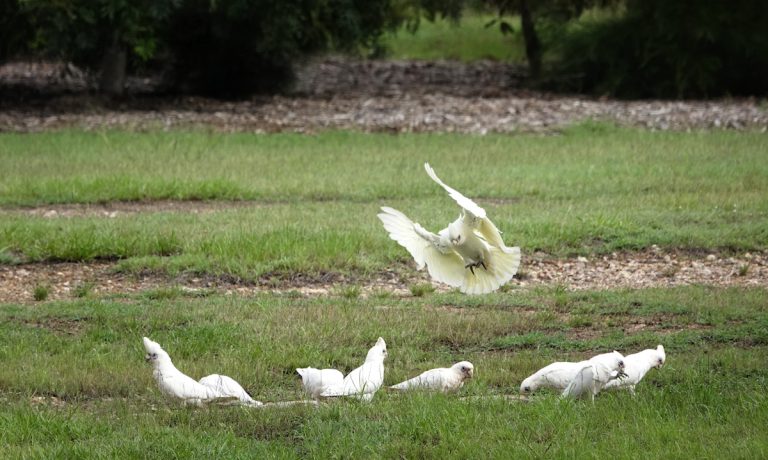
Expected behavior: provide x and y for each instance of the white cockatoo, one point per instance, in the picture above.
(594, 375)
(364, 381)
(556, 375)
(214, 388)
(445, 379)
(577, 379)
(316, 381)
(637, 365)
(468, 254)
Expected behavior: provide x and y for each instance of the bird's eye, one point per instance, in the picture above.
(621, 363)
(527, 388)
(154, 355)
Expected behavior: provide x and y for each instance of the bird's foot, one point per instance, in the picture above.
(472, 267)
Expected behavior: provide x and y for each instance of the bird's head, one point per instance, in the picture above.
(529, 385)
(618, 364)
(155, 353)
(378, 352)
(456, 233)
(661, 357)
(465, 369)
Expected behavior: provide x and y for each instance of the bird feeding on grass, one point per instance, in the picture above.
(364, 381)
(212, 389)
(315, 381)
(579, 379)
(445, 379)
(469, 254)
(637, 365)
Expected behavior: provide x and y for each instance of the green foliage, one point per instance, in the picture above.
(421, 289)
(41, 292)
(668, 48)
(474, 37)
(83, 30)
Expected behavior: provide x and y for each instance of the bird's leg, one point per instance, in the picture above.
(472, 267)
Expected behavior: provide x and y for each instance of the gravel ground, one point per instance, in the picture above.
(375, 96)
(653, 268)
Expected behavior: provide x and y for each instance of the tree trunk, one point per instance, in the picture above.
(112, 77)
(532, 43)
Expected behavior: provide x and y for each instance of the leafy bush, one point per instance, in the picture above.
(16, 30)
(233, 47)
(668, 48)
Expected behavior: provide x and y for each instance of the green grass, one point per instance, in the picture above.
(708, 401)
(592, 189)
(468, 40)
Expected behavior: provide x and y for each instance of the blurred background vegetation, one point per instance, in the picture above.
(231, 48)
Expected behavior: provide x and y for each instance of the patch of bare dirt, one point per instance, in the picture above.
(66, 326)
(625, 270)
(653, 268)
(375, 96)
(117, 208)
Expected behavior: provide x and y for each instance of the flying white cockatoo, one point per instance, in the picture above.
(214, 388)
(468, 254)
(316, 381)
(577, 379)
(637, 365)
(364, 381)
(445, 379)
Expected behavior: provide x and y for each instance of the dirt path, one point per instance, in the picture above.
(375, 96)
(653, 268)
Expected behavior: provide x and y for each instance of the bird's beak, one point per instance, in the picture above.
(147, 358)
(471, 373)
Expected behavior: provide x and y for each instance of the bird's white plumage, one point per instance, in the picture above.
(556, 375)
(226, 387)
(469, 254)
(445, 379)
(582, 383)
(465, 203)
(560, 375)
(364, 381)
(315, 381)
(637, 365)
(178, 385)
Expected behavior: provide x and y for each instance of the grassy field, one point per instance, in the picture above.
(313, 199)
(707, 401)
(468, 40)
(73, 383)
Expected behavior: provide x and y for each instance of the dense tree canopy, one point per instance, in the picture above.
(640, 48)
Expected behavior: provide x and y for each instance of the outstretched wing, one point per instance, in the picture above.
(403, 230)
(486, 230)
(501, 266)
(468, 205)
(476, 216)
(427, 248)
